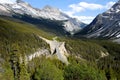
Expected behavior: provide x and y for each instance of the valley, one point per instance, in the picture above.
(47, 44)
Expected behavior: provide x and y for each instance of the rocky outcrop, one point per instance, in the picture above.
(37, 54)
(58, 48)
(103, 54)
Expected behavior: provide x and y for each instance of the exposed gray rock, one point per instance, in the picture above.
(105, 25)
(58, 48)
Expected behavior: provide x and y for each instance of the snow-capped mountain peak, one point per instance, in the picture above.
(7, 1)
(14, 7)
(106, 24)
(115, 8)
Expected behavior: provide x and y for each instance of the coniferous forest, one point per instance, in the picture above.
(89, 59)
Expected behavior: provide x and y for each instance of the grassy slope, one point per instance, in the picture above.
(23, 26)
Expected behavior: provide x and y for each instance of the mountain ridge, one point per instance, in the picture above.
(105, 25)
(20, 7)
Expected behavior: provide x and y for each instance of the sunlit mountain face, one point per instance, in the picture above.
(69, 24)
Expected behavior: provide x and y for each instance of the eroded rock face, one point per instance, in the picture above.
(37, 54)
(58, 48)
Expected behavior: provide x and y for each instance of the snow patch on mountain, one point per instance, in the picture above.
(7, 1)
(3, 8)
(20, 7)
(105, 25)
(71, 27)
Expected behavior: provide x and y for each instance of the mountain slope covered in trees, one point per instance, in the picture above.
(88, 59)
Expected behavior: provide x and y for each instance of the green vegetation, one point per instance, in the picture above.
(19, 39)
(82, 72)
(48, 71)
(84, 49)
(110, 64)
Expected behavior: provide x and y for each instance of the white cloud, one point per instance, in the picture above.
(8, 1)
(83, 6)
(70, 13)
(109, 5)
(90, 6)
(85, 19)
(76, 8)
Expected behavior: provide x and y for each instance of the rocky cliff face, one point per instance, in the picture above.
(56, 48)
(105, 25)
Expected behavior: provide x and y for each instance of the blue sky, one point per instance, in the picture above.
(84, 10)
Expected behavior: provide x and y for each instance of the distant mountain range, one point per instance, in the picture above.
(105, 25)
(25, 11)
